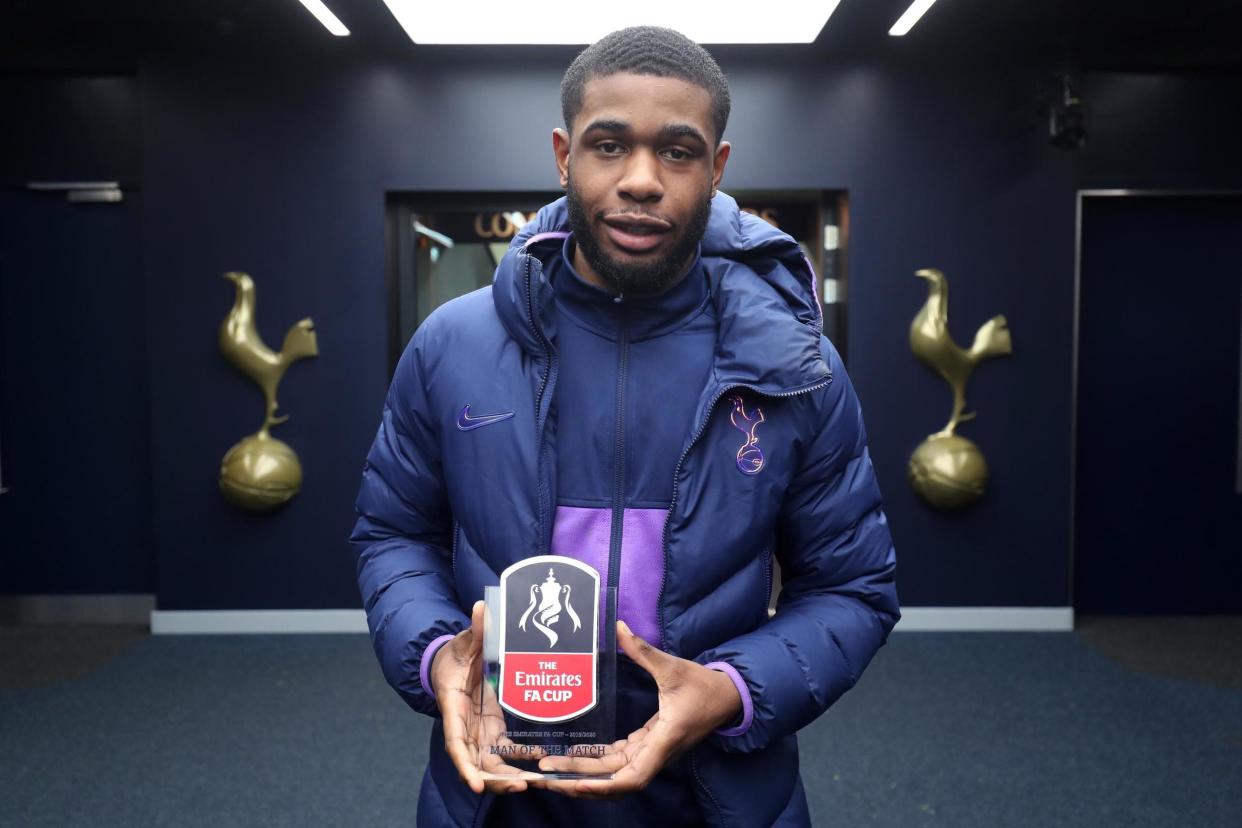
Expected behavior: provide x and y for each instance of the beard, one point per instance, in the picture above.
(643, 278)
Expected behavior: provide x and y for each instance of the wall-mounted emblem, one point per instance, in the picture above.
(260, 473)
(948, 470)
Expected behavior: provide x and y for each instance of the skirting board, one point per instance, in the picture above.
(914, 619)
(986, 619)
(232, 622)
(127, 609)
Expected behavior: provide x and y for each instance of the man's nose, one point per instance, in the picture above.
(641, 181)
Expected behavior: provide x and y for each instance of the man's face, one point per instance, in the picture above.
(639, 170)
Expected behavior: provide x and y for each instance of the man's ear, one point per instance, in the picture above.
(718, 163)
(560, 149)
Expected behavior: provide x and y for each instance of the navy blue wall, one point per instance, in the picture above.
(1163, 131)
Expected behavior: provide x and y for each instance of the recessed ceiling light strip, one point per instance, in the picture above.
(325, 16)
(906, 22)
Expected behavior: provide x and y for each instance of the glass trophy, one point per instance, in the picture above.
(548, 685)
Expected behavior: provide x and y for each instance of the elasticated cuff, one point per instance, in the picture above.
(748, 707)
(424, 669)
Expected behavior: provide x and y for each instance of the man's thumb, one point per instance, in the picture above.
(476, 625)
(640, 652)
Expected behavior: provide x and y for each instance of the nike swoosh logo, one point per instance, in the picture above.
(467, 423)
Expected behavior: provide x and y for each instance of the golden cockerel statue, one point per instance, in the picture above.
(948, 470)
(261, 472)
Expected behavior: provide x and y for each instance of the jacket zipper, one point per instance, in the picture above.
(668, 517)
(453, 552)
(618, 484)
(767, 576)
(694, 769)
(545, 524)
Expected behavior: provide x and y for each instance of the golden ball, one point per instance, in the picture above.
(260, 473)
(948, 471)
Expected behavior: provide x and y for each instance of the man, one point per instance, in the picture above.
(644, 387)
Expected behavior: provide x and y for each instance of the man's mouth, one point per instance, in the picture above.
(636, 233)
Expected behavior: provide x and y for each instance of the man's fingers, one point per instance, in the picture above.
(574, 789)
(460, 740)
(632, 768)
(579, 788)
(648, 759)
(500, 785)
(497, 786)
(601, 762)
(625, 781)
(598, 758)
(644, 759)
(483, 766)
(642, 766)
(499, 777)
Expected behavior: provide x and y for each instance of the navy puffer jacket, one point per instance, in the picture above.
(441, 512)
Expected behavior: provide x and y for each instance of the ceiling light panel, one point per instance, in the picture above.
(325, 16)
(911, 16)
(723, 21)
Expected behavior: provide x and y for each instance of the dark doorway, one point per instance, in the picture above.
(1159, 485)
(76, 458)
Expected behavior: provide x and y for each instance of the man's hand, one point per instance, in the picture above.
(456, 674)
(694, 702)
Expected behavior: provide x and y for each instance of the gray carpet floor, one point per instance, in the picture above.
(972, 729)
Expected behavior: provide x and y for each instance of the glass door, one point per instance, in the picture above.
(444, 245)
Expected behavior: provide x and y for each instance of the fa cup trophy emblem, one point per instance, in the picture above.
(547, 598)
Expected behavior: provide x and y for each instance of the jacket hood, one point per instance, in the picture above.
(762, 285)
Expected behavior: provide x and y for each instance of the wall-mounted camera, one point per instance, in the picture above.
(1067, 117)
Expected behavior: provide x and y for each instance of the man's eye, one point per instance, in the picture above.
(608, 147)
(676, 154)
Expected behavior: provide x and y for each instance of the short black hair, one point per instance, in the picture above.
(646, 50)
